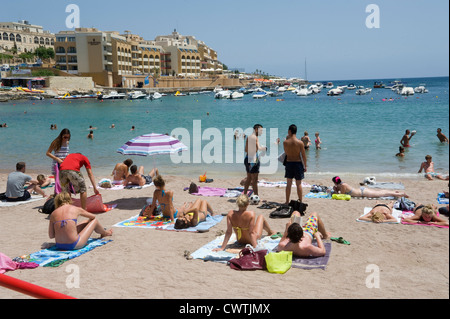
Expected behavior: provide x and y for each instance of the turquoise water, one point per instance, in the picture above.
(360, 134)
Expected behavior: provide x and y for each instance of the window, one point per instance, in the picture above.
(12, 37)
(5, 36)
(18, 38)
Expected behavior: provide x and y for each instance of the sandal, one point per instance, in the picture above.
(277, 235)
(340, 240)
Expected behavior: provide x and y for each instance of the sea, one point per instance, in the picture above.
(360, 134)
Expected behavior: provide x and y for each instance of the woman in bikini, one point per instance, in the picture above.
(191, 214)
(246, 225)
(59, 149)
(380, 213)
(64, 227)
(426, 215)
(343, 188)
(164, 198)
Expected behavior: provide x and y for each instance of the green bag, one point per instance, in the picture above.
(341, 197)
(279, 263)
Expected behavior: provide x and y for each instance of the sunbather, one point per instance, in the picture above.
(164, 198)
(191, 214)
(247, 226)
(138, 178)
(343, 188)
(380, 213)
(299, 239)
(426, 215)
(63, 225)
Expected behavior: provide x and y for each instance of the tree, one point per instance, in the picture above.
(45, 53)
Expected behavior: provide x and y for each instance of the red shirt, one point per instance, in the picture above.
(74, 162)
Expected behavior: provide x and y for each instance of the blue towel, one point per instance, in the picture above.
(53, 256)
(210, 221)
(441, 199)
(318, 195)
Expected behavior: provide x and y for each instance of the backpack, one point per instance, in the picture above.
(48, 207)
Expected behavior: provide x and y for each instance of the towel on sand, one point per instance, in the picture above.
(409, 214)
(210, 191)
(318, 195)
(4, 203)
(7, 264)
(395, 212)
(386, 185)
(264, 183)
(204, 226)
(53, 257)
(206, 252)
(442, 199)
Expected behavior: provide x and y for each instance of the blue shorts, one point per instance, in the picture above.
(295, 170)
(252, 168)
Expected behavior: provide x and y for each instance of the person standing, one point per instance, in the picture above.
(59, 149)
(15, 187)
(252, 162)
(442, 137)
(70, 173)
(406, 138)
(295, 163)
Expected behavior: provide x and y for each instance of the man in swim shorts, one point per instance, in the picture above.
(295, 162)
(428, 167)
(299, 239)
(406, 139)
(137, 177)
(70, 174)
(252, 162)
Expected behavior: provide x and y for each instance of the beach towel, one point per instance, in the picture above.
(264, 183)
(210, 191)
(442, 199)
(395, 213)
(4, 203)
(203, 226)
(409, 214)
(94, 204)
(120, 186)
(157, 222)
(318, 195)
(7, 264)
(386, 185)
(53, 257)
(313, 262)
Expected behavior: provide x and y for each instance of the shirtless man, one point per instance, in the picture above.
(428, 167)
(306, 140)
(299, 239)
(252, 162)
(120, 172)
(295, 162)
(441, 136)
(406, 138)
(138, 178)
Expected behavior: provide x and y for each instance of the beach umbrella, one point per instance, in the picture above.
(152, 144)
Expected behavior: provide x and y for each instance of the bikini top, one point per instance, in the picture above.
(64, 222)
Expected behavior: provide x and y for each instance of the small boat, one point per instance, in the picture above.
(351, 86)
(155, 96)
(407, 91)
(334, 92)
(421, 89)
(329, 85)
(179, 94)
(113, 95)
(304, 90)
(314, 89)
(136, 95)
(67, 96)
(224, 94)
(379, 85)
(260, 95)
(236, 95)
(36, 98)
(363, 91)
(218, 89)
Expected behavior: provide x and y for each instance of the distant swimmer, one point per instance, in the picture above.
(407, 138)
(401, 152)
(441, 136)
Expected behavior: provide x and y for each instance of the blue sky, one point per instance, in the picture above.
(277, 36)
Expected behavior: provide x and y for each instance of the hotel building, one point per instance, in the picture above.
(25, 36)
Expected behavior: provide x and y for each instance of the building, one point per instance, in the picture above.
(24, 36)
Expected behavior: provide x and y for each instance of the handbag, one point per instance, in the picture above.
(249, 259)
(279, 263)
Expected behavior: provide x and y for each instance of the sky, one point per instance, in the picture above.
(410, 37)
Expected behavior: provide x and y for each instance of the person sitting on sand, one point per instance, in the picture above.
(191, 214)
(164, 198)
(299, 239)
(64, 227)
(247, 226)
(343, 188)
(428, 167)
(17, 182)
(138, 178)
(120, 172)
(380, 213)
(426, 215)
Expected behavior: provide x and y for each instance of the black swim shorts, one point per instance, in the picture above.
(295, 170)
(252, 168)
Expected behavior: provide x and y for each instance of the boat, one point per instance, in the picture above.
(67, 96)
(334, 92)
(329, 85)
(224, 94)
(36, 98)
(260, 95)
(304, 90)
(178, 93)
(218, 89)
(155, 96)
(351, 86)
(136, 95)
(113, 95)
(406, 90)
(378, 85)
(421, 89)
(30, 91)
(363, 91)
(314, 89)
(236, 95)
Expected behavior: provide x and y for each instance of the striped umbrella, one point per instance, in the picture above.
(152, 144)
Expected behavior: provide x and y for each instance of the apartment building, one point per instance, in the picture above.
(24, 36)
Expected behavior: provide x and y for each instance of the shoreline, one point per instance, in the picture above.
(152, 262)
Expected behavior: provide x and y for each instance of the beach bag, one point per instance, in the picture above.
(48, 207)
(202, 178)
(2, 196)
(341, 197)
(279, 263)
(249, 259)
(94, 204)
(298, 206)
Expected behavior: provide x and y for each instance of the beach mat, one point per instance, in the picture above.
(210, 191)
(395, 212)
(264, 183)
(409, 214)
(328, 196)
(157, 222)
(202, 227)
(53, 257)
(386, 185)
(121, 187)
(313, 262)
(442, 199)
(4, 203)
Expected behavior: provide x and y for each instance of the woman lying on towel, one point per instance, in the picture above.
(247, 226)
(380, 213)
(191, 214)
(64, 227)
(343, 188)
(426, 215)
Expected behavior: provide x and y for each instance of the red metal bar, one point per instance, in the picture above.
(30, 289)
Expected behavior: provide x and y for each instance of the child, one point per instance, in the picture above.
(318, 142)
(44, 182)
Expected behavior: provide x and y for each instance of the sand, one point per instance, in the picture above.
(145, 263)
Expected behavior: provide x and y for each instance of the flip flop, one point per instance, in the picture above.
(277, 235)
(340, 240)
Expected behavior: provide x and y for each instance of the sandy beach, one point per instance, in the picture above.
(147, 263)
